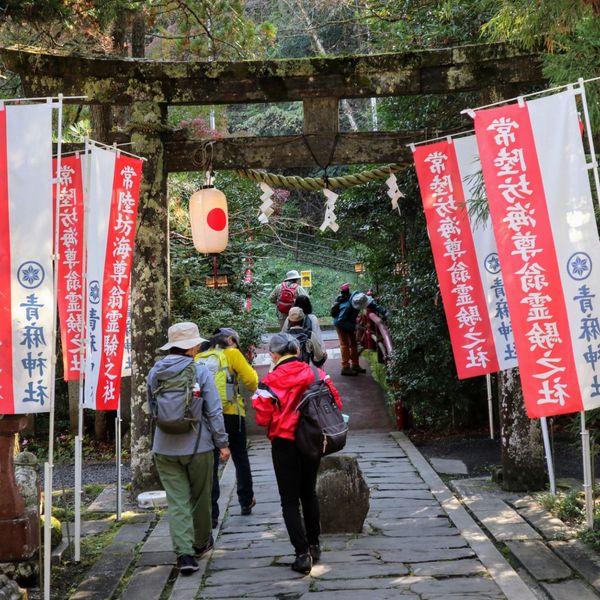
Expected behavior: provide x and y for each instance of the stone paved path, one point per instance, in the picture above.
(418, 541)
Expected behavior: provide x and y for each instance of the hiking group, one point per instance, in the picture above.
(195, 398)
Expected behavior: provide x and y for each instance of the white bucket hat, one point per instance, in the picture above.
(291, 275)
(183, 335)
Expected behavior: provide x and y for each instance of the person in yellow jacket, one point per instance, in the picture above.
(229, 367)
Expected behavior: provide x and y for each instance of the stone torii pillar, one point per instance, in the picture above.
(150, 300)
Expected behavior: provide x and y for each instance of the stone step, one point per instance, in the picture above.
(147, 583)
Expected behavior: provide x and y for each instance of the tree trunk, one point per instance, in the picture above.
(150, 293)
(523, 466)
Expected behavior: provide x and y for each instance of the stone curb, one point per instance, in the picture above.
(502, 573)
(186, 588)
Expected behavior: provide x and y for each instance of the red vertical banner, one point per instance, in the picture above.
(6, 382)
(70, 266)
(455, 259)
(117, 276)
(527, 252)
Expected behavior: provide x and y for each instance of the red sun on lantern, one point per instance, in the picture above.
(209, 220)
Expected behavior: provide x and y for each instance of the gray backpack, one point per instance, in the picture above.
(173, 411)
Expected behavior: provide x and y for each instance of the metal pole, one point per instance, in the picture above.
(86, 172)
(47, 527)
(49, 465)
(118, 457)
(587, 474)
(488, 381)
(548, 453)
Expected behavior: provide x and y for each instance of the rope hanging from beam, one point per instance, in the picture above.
(319, 183)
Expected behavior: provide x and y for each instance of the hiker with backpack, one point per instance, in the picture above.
(229, 367)
(285, 293)
(311, 321)
(311, 349)
(189, 425)
(345, 310)
(276, 402)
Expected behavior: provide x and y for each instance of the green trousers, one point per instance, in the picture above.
(188, 483)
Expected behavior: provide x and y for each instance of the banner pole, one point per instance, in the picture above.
(488, 381)
(118, 457)
(590, 137)
(587, 473)
(47, 527)
(548, 453)
(82, 344)
(49, 465)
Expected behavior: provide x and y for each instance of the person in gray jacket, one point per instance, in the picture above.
(185, 460)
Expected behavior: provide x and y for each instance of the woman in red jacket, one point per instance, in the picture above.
(275, 403)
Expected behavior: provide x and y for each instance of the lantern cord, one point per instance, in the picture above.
(319, 183)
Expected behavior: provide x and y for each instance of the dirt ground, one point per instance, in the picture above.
(480, 453)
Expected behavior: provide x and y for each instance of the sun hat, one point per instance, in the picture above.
(291, 275)
(296, 314)
(360, 301)
(283, 343)
(230, 332)
(183, 335)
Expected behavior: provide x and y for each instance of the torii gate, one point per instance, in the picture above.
(149, 87)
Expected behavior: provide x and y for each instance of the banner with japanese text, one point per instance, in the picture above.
(455, 260)
(70, 265)
(536, 178)
(114, 183)
(26, 275)
(486, 252)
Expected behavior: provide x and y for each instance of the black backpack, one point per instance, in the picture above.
(321, 427)
(302, 336)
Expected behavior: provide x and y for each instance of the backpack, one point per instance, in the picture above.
(346, 312)
(321, 427)
(287, 295)
(172, 411)
(215, 361)
(302, 336)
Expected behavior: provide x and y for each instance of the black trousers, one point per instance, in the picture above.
(296, 480)
(238, 445)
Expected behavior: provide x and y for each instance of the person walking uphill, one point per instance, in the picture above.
(275, 403)
(189, 425)
(285, 293)
(229, 367)
(344, 312)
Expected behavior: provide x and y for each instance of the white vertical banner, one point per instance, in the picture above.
(26, 248)
(101, 164)
(558, 140)
(113, 203)
(487, 254)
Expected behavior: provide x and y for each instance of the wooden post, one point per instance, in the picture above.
(151, 290)
(321, 126)
(20, 528)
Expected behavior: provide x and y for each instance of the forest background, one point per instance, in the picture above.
(392, 245)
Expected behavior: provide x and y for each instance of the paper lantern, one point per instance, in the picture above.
(209, 219)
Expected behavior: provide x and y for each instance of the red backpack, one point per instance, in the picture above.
(286, 297)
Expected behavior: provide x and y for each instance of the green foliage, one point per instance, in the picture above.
(326, 282)
(191, 299)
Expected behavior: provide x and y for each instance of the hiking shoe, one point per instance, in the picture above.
(348, 371)
(315, 552)
(247, 510)
(187, 564)
(358, 369)
(303, 563)
(200, 552)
